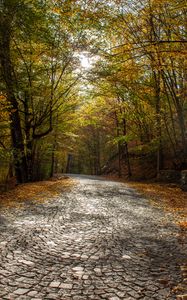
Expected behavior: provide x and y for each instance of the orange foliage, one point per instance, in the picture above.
(36, 191)
(168, 197)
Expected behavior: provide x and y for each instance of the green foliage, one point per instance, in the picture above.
(122, 139)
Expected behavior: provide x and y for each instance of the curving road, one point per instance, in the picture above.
(99, 240)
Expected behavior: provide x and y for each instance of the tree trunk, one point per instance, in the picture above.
(119, 145)
(68, 163)
(126, 151)
(20, 163)
(98, 154)
(157, 79)
(180, 113)
(52, 162)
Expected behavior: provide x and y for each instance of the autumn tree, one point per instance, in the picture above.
(37, 63)
(141, 61)
(136, 88)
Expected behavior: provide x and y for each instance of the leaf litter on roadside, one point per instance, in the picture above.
(37, 191)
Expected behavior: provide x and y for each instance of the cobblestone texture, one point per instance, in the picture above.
(101, 240)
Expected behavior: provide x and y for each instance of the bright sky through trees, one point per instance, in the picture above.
(86, 62)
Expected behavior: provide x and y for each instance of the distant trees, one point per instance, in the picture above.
(144, 68)
(141, 75)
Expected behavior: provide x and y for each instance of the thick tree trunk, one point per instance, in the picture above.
(119, 159)
(53, 159)
(29, 139)
(126, 151)
(52, 163)
(20, 163)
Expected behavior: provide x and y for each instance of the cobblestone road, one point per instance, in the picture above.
(100, 240)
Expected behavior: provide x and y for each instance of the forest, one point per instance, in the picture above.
(92, 87)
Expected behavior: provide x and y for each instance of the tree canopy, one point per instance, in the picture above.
(86, 83)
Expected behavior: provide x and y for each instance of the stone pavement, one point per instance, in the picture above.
(100, 240)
